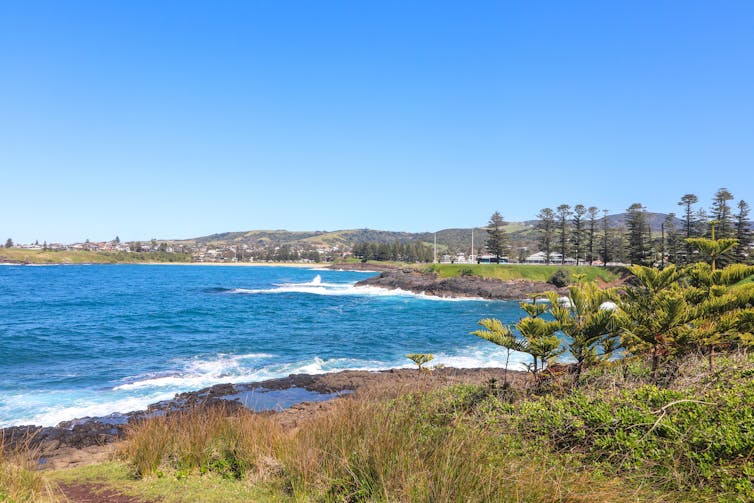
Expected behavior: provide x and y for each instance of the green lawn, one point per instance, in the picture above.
(521, 271)
(86, 257)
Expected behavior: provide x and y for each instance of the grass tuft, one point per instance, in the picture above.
(19, 480)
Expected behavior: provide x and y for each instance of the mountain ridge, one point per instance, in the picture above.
(454, 239)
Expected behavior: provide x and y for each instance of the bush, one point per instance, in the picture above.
(677, 440)
(560, 278)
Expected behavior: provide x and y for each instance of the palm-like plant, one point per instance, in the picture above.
(536, 336)
(591, 328)
(540, 341)
(502, 335)
(712, 249)
(719, 307)
(420, 359)
(654, 313)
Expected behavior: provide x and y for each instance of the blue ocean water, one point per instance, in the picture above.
(90, 340)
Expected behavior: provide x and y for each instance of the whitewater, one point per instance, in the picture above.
(85, 341)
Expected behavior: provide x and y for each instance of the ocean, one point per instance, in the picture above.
(91, 340)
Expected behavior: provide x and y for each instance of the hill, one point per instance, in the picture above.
(522, 235)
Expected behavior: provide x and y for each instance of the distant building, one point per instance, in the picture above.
(555, 258)
(491, 259)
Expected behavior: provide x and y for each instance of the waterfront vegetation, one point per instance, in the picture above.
(531, 272)
(670, 419)
(618, 437)
(21, 255)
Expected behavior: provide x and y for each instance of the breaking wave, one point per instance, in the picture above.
(318, 287)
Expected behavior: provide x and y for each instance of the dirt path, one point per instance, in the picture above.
(95, 493)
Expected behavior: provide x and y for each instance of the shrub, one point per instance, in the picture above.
(560, 278)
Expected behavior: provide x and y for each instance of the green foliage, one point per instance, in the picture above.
(560, 278)
(531, 272)
(502, 335)
(533, 335)
(414, 251)
(420, 359)
(591, 329)
(653, 314)
(672, 439)
(638, 235)
(497, 240)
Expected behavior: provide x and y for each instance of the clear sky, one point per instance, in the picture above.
(175, 119)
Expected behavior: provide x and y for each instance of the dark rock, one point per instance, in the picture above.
(461, 286)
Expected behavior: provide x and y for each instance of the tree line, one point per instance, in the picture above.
(413, 251)
(580, 233)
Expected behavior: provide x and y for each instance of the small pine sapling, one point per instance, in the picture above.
(420, 359)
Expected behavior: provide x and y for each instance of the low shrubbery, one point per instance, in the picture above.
(560, 278)
(697, 440)
(629, 441)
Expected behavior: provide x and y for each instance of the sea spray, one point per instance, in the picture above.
(80, 341)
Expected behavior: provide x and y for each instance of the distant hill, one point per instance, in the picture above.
(522, 235)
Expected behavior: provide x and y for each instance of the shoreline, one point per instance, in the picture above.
(83, 440)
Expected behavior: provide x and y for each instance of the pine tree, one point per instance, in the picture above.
(592, 211)
(688, 201)
(564, 211)
(9, 243)
(639, 248)
(605, 239)
(653, 313)
(743, 233)
(546, 228)
(578, 231)
(722, 214)
(591, 331)
(497, 240)
(670, 237)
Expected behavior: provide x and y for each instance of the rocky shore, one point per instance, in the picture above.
(86, 440)
(462, 286)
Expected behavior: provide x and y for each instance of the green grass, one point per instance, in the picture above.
(87, 257)
(520, 271)
(208, 488)
(614, 439)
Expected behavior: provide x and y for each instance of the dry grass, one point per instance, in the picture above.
(19, 480)
(415, 448)
(203, 440)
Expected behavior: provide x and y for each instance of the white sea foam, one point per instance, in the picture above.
(50, 408)
(317, 287)
(199, 373)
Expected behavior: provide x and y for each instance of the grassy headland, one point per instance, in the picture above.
(19, 255)
(522, 271)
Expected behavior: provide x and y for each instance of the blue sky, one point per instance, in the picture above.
(180, 119)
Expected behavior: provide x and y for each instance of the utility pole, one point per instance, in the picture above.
(435, 261)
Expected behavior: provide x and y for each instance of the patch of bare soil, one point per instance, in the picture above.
(95, 493)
